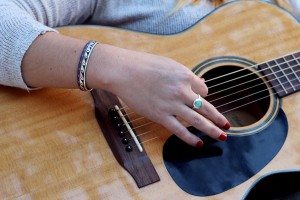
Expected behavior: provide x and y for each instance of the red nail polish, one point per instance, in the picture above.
(199, 144)
(223, 137)
(226, 126)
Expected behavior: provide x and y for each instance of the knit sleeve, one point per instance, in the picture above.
(22, 21)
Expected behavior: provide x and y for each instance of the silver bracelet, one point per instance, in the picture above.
(83, 63)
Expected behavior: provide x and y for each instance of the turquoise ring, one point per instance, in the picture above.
(198, 103)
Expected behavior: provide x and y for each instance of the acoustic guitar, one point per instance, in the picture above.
(67, 144)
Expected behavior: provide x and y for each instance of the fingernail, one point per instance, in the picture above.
(223, 137)
(199, 144)
(226, 126)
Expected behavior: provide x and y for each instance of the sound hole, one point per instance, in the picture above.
(242, 96)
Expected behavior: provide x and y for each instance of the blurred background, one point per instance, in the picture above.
(291, 5)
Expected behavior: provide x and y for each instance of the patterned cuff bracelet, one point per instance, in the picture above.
(83, 63)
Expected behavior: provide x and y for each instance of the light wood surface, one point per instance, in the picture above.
(52, 148)
(285, 4)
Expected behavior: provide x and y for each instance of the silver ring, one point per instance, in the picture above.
(198, 103)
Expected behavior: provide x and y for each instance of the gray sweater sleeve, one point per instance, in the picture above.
(22, 21)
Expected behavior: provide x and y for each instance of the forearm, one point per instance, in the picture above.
(23, 21)
(52, 61)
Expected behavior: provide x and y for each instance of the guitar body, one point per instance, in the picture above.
(51, 146)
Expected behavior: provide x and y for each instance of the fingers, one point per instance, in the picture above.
(208, 111)
(201, 123)
(211, 113)
(172, 124)
(199, 86)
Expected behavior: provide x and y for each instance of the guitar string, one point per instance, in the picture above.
(276, 78)
(144, 133)
(139, 118)
(250, 67)
(259, 92)
(148, 123)
(156, 137)
(256, 65)
(124, 107)
(143, 142)
(135, 120)
(127, 114)
(245, 89)
(276, 65)
(251, 87)
(265, 76)
(239, 91)
(230, 102)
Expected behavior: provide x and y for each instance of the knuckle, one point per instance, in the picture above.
(211, 110)
(212, 131)
(187, 76)
(204, 91)
(208, 110)
(178, 132)
(178, 91)
(197, 120)
(158, 117)
(221, 119)
(192, 77)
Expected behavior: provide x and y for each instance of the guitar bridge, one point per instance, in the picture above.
(121, 123)
(122, 139)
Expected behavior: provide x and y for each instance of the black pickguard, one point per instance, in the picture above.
(220, 166)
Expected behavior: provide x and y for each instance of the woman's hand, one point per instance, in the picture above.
(153, 86)
(160, 89)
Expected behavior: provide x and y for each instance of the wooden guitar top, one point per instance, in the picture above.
(51, 146)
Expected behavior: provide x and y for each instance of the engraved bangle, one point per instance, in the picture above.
(83, 63)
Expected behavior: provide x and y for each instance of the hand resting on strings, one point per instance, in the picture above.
(156, 87)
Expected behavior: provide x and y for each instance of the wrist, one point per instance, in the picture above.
(106, 67)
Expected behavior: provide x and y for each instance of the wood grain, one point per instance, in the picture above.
(50, 142)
